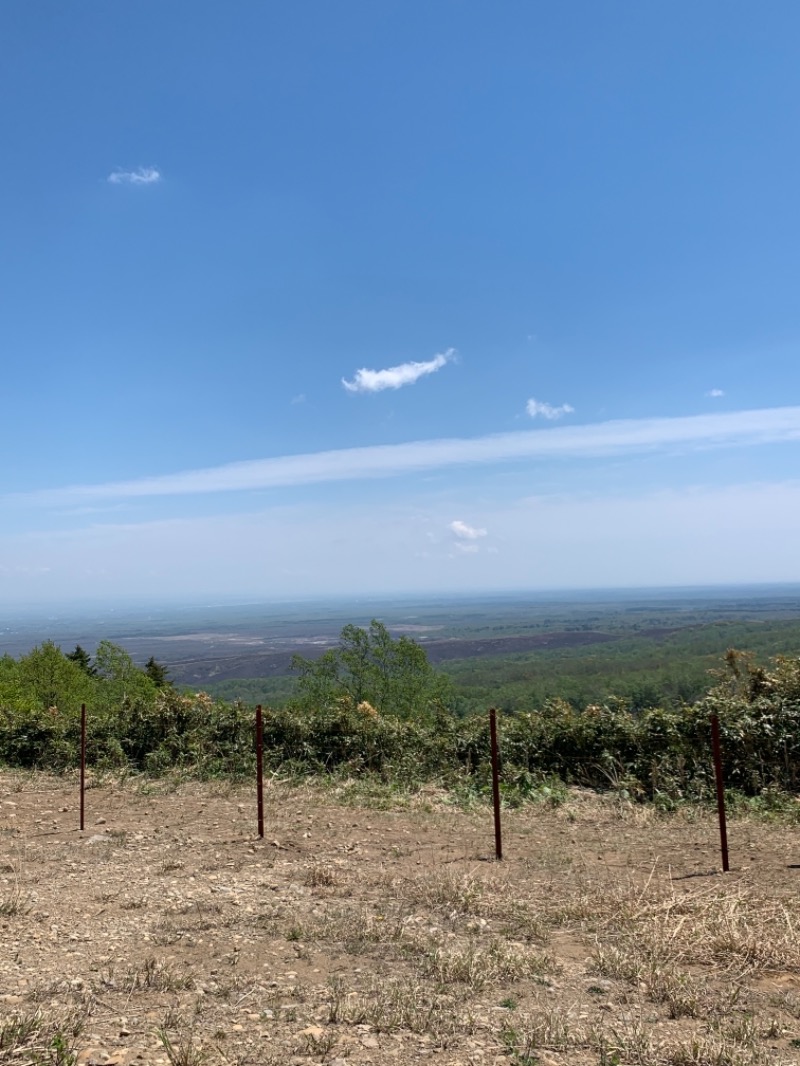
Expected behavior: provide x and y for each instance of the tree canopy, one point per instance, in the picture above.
(391, 674)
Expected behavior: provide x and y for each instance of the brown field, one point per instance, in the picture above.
(168, 933)
(194, 659)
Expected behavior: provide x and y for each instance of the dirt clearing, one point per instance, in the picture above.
(168, 933)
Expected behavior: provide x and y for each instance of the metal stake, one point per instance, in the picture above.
(498, 839)
(83, 760)
(260, 769)
(723, 828)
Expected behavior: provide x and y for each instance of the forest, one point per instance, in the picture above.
(373, 706)
(672, 665)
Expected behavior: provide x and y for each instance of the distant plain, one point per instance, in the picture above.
(649, 646)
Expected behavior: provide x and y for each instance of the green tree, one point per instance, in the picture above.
(83, 659)
(392, 674)
(122, 682)
(50, 679)
(157, 673)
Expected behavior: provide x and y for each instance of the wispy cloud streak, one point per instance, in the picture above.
(140, 176)
(631, 436)
(395, 377)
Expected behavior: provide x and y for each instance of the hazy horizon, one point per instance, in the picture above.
(81, 607)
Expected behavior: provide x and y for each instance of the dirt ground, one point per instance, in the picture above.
(167, 932)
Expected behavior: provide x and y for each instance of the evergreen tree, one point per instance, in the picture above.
(157, 673)
(83, 659)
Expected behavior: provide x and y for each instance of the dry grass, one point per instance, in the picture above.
(36, 1037)
(400, 1004)
(183, 1048)
(322, 875)
(632, 1040)
(358, 936)
(740, 928)
(479, 967)
(13, 903)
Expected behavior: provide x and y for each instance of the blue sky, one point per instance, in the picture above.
(375, 296)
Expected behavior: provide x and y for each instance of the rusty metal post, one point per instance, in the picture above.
(723, 828)
(260, 769)
(498, 839)
(83, 761)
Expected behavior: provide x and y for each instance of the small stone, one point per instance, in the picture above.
(316, 1032)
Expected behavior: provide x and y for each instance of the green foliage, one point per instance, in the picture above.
(370, 666)
(157, 673)
(374, 706)
(49, 679)
(82, 659)
(669, 670)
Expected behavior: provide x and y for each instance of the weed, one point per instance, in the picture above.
(154, 976)
(168, 866)
(322, 875)
(59, 1051)
(514, 1044)
(164, 932)
(15, 903)
(478, 967)
(463, 893)
(16, 1031)
(389, 1006)
(39, 1040)
(183, 1051)
(320, 1045)
(134, 903)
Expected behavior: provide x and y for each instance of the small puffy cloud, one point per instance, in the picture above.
(715, 393)
(140, 176)
(537, 408)
(465, 532)
(395, 377)
(300, 398)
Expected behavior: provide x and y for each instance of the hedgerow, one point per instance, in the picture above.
(136, 723)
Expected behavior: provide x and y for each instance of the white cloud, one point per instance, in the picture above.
(599, 440)
(300, 398)
(702, 535)
(461, 529)
(715, 393)
(467, 537)
(140, 176)
(546, 410)
(395, 377)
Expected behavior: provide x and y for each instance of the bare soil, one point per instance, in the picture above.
(168, 932)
